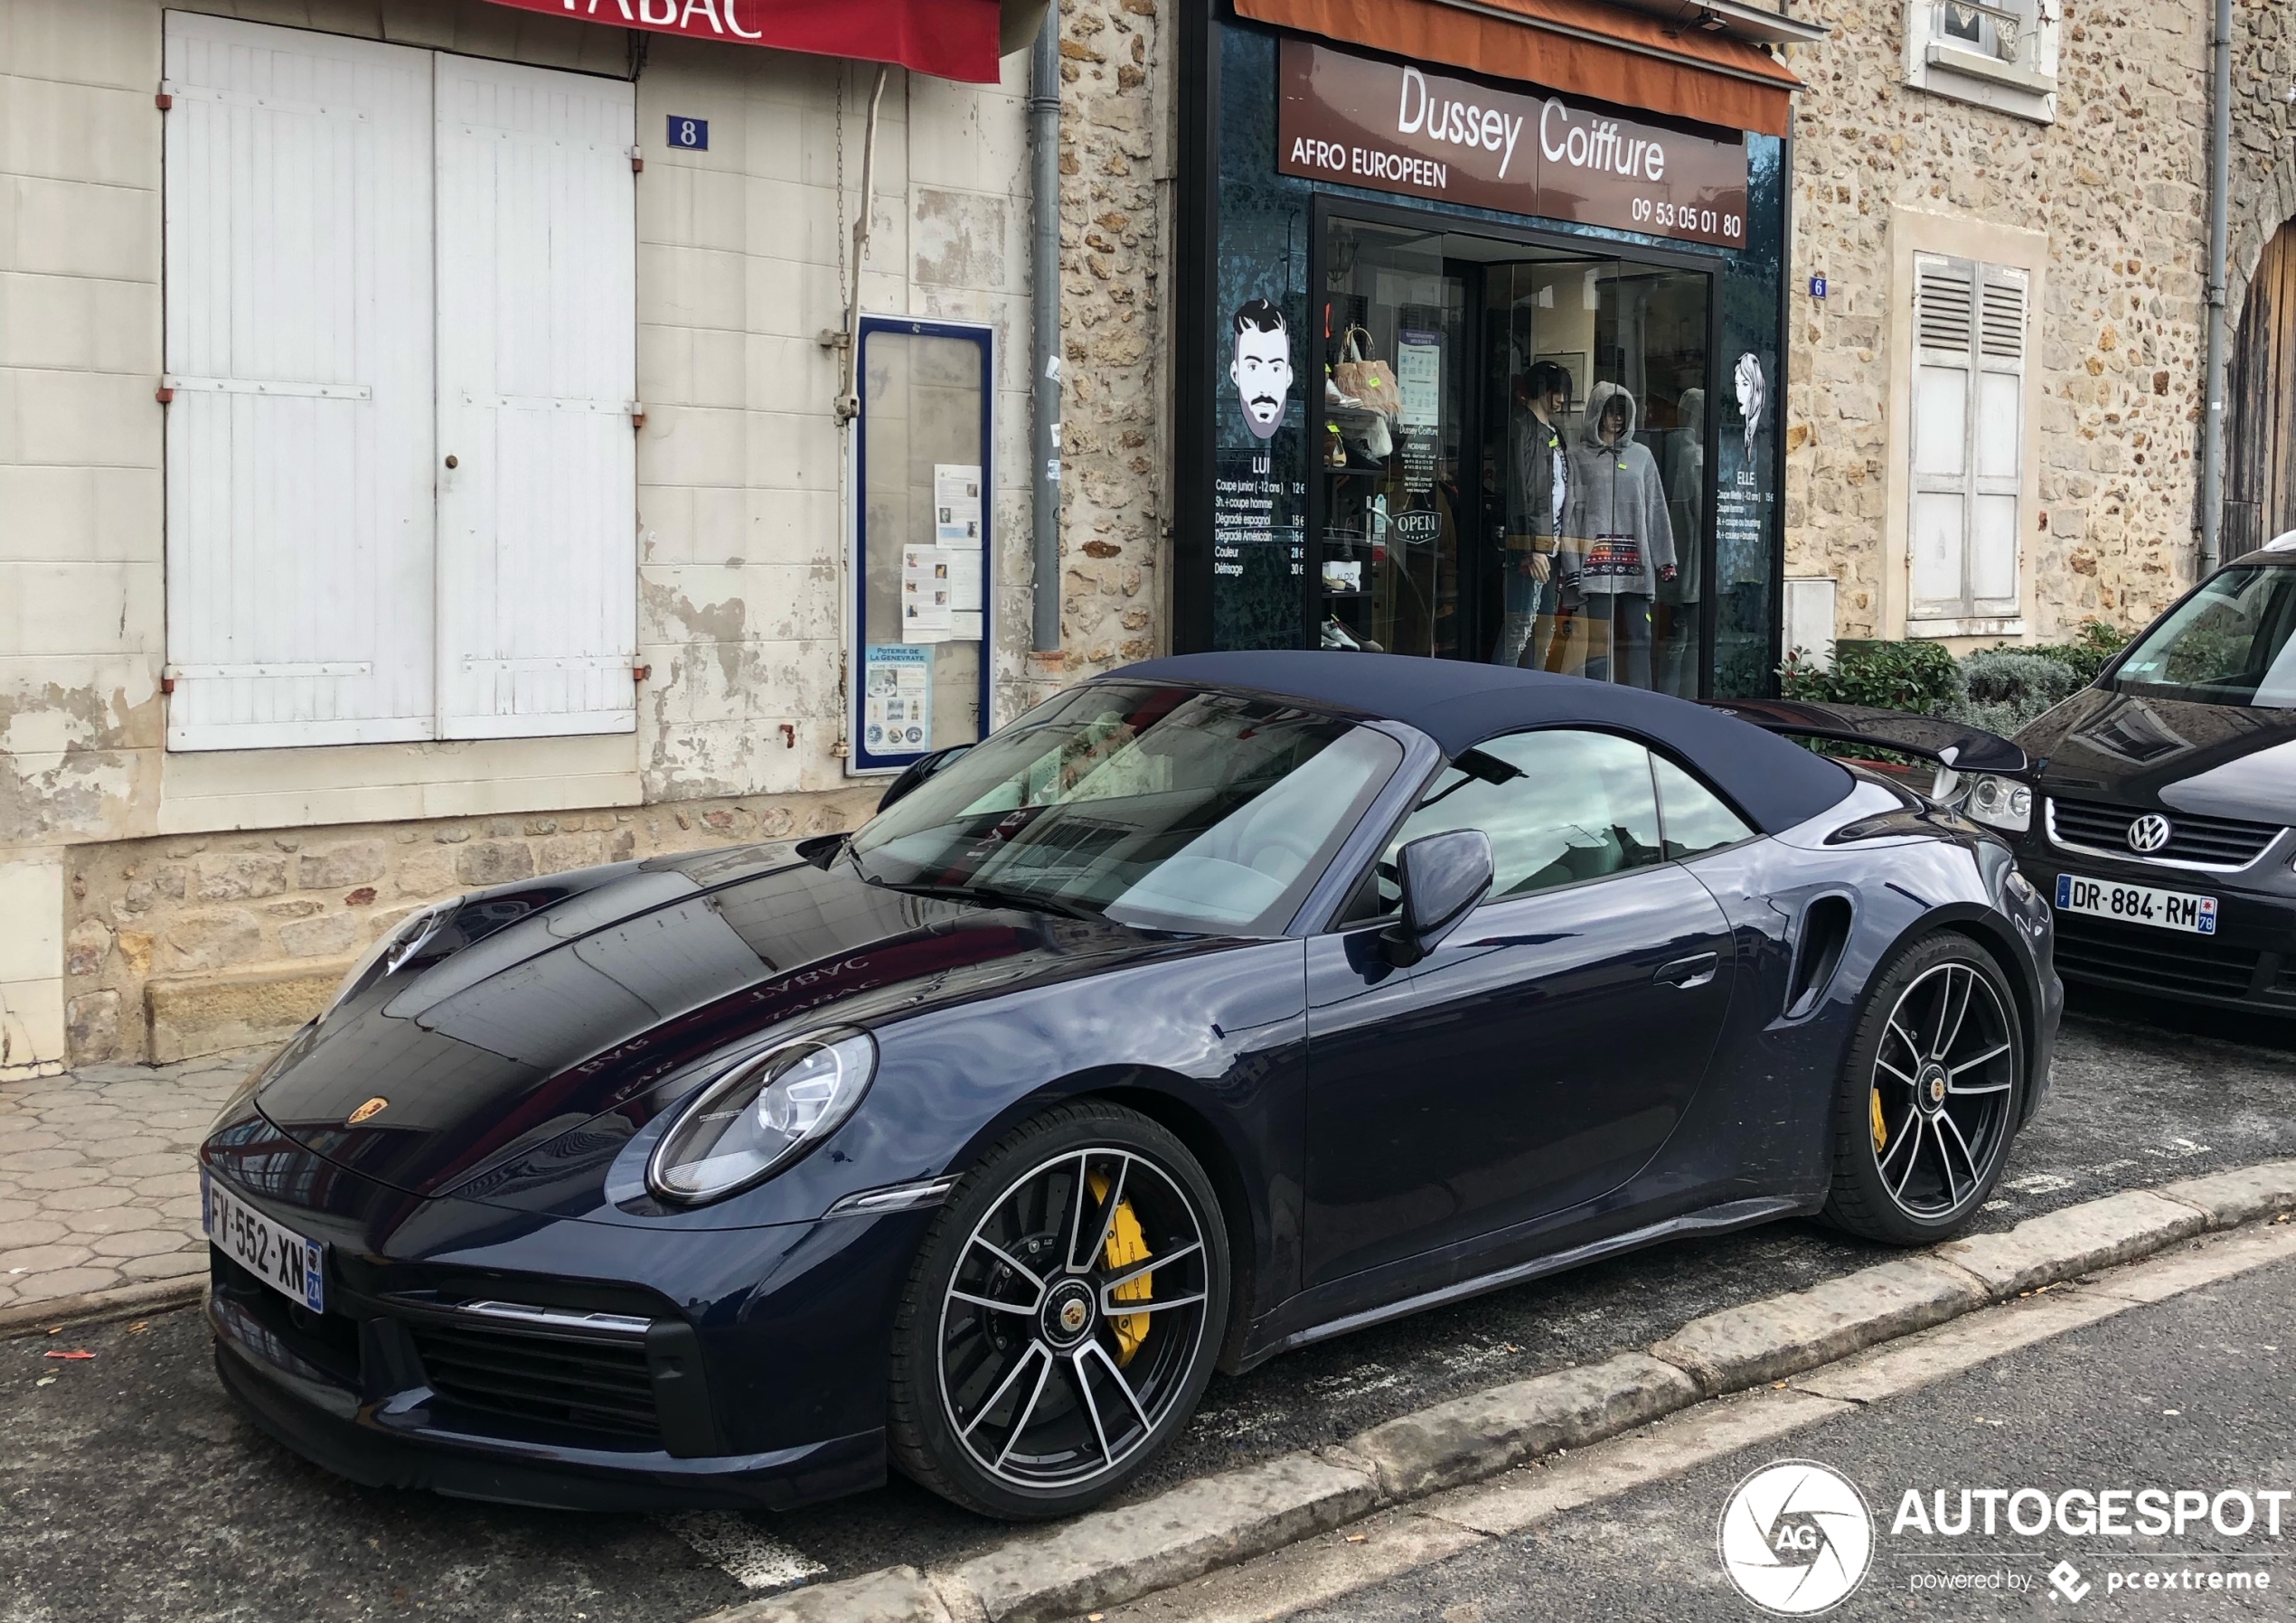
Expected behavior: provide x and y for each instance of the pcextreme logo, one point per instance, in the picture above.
(1796, 1538)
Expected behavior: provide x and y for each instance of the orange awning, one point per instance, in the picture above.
(1579, 47)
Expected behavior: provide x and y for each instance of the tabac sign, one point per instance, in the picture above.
(1393, 127)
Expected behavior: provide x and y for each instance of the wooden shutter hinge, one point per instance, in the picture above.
(789, 735)
(164, 102)
(639, 673)
(164, 395)
(638, 416)
(167, 684)
(637, 160)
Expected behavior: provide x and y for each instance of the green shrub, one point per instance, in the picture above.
(2008, 687)
(2085, 655)
(1914, 675)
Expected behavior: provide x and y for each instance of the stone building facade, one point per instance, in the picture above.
(158, 903)
(2090, 177)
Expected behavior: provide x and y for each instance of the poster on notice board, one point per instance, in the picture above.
(897, 698)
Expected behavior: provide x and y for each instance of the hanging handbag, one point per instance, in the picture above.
(1370, 381)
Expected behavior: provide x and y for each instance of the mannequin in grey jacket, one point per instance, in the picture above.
(1618, 521)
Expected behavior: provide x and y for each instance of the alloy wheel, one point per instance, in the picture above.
(1074, 1318)
(1942, 1081)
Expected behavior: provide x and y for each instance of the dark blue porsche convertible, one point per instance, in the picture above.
(1215, 1006)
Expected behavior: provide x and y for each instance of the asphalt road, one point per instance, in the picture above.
(130, 1488)
(2198, 1393)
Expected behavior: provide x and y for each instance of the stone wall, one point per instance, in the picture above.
(2118, 185)
(186, 946)
(1114, 172)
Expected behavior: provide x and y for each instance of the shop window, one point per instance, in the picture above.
(400, 339)
(1968, 444)
(2000, 53)
(1512, 455)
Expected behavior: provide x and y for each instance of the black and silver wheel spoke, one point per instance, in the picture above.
(1943, 1121)
(1074, 1318)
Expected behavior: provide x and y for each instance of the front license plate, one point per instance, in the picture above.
(282, 1258)
(2137, 905)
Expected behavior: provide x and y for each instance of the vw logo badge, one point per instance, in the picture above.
(2148, 833)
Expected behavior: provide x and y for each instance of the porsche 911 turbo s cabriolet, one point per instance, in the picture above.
(1215, 1006)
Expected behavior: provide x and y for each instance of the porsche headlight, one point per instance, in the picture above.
(2001, 804)
(399, 943)
(761, 1116)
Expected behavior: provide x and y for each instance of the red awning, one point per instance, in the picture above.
(949, 39)
(1580, 47)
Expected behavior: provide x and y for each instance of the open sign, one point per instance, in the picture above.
(1417, 526)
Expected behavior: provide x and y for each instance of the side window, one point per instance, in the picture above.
(1559, 807)
(1696, 820)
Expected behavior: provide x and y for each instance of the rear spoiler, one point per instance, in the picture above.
(1954, 744)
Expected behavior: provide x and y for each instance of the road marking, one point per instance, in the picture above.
(750, 1558)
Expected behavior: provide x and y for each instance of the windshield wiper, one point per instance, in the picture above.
(991, 896)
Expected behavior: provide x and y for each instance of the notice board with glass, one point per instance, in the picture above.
(921, 540)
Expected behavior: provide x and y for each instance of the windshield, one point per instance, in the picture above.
(2226, 645)
(1160, 807)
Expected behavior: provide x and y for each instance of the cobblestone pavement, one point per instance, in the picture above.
(98, 1187)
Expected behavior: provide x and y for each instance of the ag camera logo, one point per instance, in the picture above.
(1796, 1538)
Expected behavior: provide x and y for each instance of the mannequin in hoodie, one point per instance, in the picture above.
(1616, 513)
(1536, 495)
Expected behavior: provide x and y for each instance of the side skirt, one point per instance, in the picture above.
(1709, 1220)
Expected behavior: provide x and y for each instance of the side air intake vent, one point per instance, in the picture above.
(1817, 952)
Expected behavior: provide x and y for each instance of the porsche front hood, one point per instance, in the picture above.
(585, 1007)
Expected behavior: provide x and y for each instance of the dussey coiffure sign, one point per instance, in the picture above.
(1395, 127)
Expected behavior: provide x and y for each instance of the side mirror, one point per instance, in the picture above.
(1444, 876)
(917, 771)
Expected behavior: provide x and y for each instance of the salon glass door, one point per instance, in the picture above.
(1391, 443)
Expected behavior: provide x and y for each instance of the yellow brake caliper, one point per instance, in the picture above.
(1881, 1127)
(1127, 1245)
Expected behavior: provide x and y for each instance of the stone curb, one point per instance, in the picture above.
(1782, 1335)
(122, 1301)
(1111, 1556)
(2075, 1240)
(1485, 1432)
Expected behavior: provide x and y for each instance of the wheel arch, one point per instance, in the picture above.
(1991, 934)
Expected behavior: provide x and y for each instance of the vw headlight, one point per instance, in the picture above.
(402, 942)
(2001, 804)
(761, 1116)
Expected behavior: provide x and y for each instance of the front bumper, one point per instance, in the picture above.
(747, 1370)
(2249, 963)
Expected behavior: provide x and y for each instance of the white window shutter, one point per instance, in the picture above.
(298, 297)
(1962, 546)
(537, 375)
(1998, 442)
(1944, 310)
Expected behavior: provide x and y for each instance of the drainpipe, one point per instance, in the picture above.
(1044, 281)
(848, 405)
(2212, 422)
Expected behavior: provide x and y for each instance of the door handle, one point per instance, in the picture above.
(1688, 972)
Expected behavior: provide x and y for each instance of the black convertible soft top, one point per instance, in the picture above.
(1459, 705)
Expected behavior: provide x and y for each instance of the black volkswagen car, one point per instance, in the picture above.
(2160, 825)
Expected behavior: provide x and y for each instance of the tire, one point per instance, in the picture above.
(1928, 1101)
(1017, 1389)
